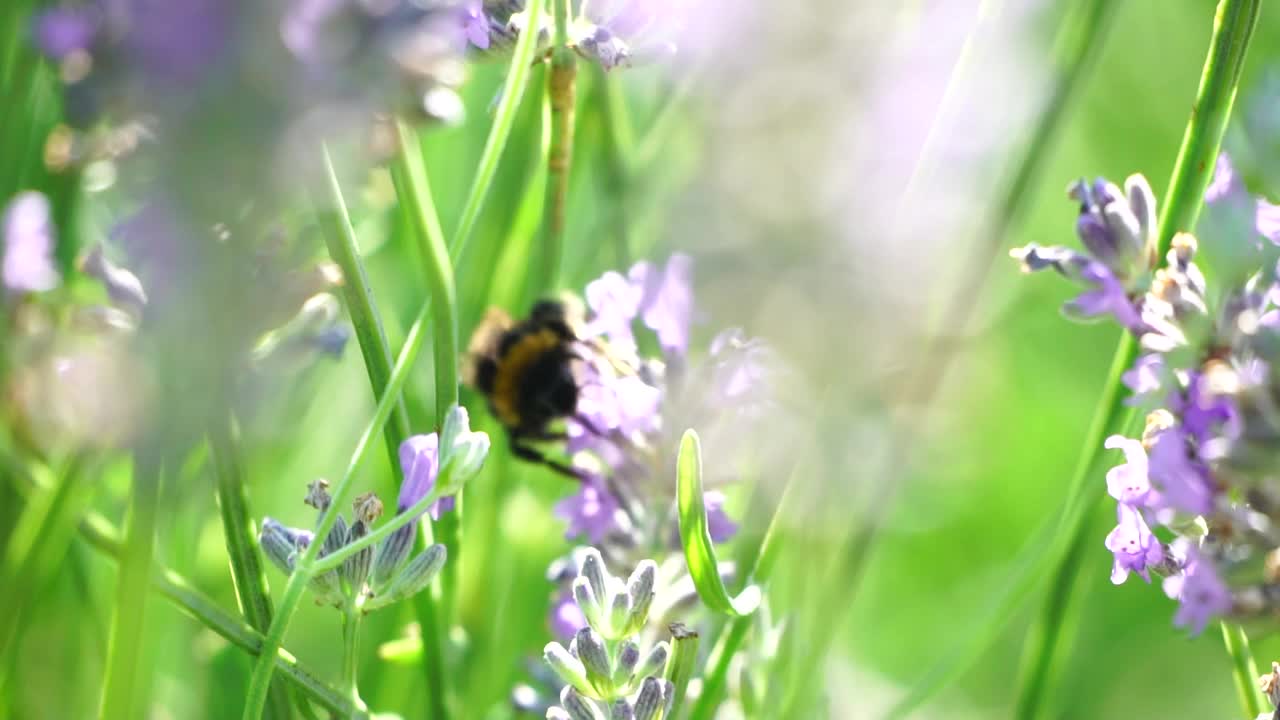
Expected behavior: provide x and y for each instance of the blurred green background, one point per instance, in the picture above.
(803, 138)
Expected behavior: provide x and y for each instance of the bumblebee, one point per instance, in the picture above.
(525, 371)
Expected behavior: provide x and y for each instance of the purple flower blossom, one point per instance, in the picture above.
(1204, 413)
(719, 524)
(1107, 296)
(614, 301)
(667, 303)
(28, 244)
(1184, 484)
(1201, 594)
(1129, 483)
(420, 462)
(476, 24)
(1144, 378)
(1231, 210)
(591, 512)
(1134, 545)
(61, 31)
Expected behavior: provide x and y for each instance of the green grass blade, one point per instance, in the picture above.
(695, 537)
(1243, 670)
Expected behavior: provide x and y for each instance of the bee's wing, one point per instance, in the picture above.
(484, 341)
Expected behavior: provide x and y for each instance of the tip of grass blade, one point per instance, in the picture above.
(695, 536)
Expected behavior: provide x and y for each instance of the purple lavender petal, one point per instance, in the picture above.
(591, 511)
(566, 617)
(476, 25)
(61, 31)
(668, 301)
(28, 244)
(719, 524)
(614, 301)
(1224, 180)
(1201, 594)
(1184, 485)
(420, 462)
(1268, 221)
(1129, 483)
(1143, 379)
(1134, 545)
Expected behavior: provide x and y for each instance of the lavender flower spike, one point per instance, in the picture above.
(28, 244)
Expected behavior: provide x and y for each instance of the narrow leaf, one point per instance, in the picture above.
(695, 536)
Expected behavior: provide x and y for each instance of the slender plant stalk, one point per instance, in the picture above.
(242, 541)
(1244, 670)
(503, 120)
(1233, 27)
(351, 655)
(342, 243)
(304, 569)
(730, 640)
(340, 238)
(128, 627)
(102, 536)
(562, 79)
(619, 150)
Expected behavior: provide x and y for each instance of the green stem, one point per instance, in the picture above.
(242, 540)
(727, 645)
(342, 243)
(304, 569)
(1243, 670)
(1233, 26)
(351, 655)
(100, 534)
(562, 93)
(128, 627)
(340, 238)
(503, 120)
(619, 149)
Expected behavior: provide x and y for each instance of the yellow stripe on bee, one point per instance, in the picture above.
(511, 370)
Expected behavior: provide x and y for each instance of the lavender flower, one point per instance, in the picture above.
(1201, 594)
(1118, 231)
(1133, 544)
(28, 245)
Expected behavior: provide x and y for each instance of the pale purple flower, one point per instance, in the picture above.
(476, 24)
(1204, 414)
(28, 244)
(1201, 594)
(1184, 484)
(1134, 545)
(719, 524)
(61, 31)
(614, 301)
(1129, 483)
(1144, 378)
(1231, 211)
(667, 305)
(591, 512)
(566, 617)
(1107, 296)
(420, 462)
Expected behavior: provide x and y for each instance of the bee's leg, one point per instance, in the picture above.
(532, 454)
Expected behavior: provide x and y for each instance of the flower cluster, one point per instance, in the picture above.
(608, 675)
(1203, 473)
(610, 33)
(434, 466)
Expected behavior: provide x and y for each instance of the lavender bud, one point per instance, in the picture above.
(650, 701)
(584, 595)
(277, 544)
(628, 659)
(579, 707)
(594, 571)
(640, 588)
(367, 508)
(656, 660)
(1143, 204)
(619, 615)
(355, 569)
(318, 495)
(622, 710)
(392, 553)
(417, 574)
(566, 666)
(336, 538)
(462, 451)
(595, 659)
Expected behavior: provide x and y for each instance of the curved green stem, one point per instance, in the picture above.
(351, 655)
(1233, 27)
(128, 627)
(242, 541)
(503, 120)
(304, 569)
(713, 683)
